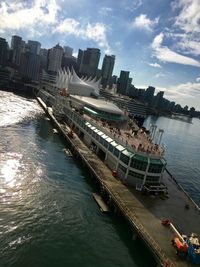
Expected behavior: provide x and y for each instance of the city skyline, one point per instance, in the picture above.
(158, 44)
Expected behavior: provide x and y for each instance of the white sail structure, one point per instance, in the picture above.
(69, 80)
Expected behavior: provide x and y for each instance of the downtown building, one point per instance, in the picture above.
(88, 61)
(30, 61)
(17, 48)
(107, 70)
(54, 61)
(68, 51)
(124, 83)
(3, 52)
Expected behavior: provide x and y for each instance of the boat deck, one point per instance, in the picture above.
(132, 137)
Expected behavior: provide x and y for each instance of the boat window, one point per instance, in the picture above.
(122, 168)
(105, 143)
(101, 140)
(152, 179)
(116, 152)
(138, 164)
(110, 148)
(136, 175)
(155, 168)
(124, 158)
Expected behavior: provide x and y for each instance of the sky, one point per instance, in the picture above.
(157, 41)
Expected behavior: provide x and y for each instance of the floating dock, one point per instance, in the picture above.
(101, 203)
(144, 213)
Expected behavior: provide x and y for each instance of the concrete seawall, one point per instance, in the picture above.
(145, 223)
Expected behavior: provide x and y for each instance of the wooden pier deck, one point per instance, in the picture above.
(144, 213)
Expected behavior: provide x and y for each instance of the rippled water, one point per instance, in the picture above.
(182, 142)
(47, 214)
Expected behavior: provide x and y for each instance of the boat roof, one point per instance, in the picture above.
(99, 104)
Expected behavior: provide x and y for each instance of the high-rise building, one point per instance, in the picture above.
(123, 83)
(34, 47)
(89, 61)
(17, 47)
(149, 94)
(3, 52)
(107, 69)
(30, 66)
(68, 51)
(158, 99)
(43, 58)
(69, 62)
(55, 55)
(30, 61)
(79, 59)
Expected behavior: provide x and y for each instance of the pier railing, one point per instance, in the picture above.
(135, 223)
(143, 233)
(180, 186)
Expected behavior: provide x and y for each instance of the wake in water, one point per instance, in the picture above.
(14, 109)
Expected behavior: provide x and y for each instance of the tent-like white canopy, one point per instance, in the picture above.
(70, 81)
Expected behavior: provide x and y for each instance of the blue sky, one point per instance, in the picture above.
(157, 41)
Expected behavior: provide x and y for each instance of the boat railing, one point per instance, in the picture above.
(124, 143)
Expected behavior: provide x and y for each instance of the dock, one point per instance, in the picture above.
(144, 213)
(103, 207)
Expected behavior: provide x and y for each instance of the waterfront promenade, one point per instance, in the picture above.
(143, 212)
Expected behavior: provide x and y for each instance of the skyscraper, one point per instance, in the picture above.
(149, 94)
(54, 59)
(34, 47)
(123, 83)
(30, 66)
(107, 69)
(30, 61)
(79, 59)
(158, 99)
(89, 61)
(68, 51)
(3, 52)
(43, 58)
(16, 46)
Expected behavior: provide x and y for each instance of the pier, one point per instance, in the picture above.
(144, 213)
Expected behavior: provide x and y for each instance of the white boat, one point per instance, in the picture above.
(124, 147)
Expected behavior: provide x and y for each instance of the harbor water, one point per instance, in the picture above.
(48, 217)
(181, 141)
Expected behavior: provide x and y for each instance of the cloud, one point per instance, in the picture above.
(185, 94)
(131, 5)
(186, 30)
(164, 54)
(95, 32)
(198, 79)
(189, 17)
(41, 17)
(160, 75)
(18, 15)
(155, 65)
(105, 11)
(144, 23)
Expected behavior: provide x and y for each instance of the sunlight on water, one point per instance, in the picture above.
(14, 109)
(9, 171)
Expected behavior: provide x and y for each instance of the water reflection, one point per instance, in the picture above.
(9, 171)
(17, 108)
